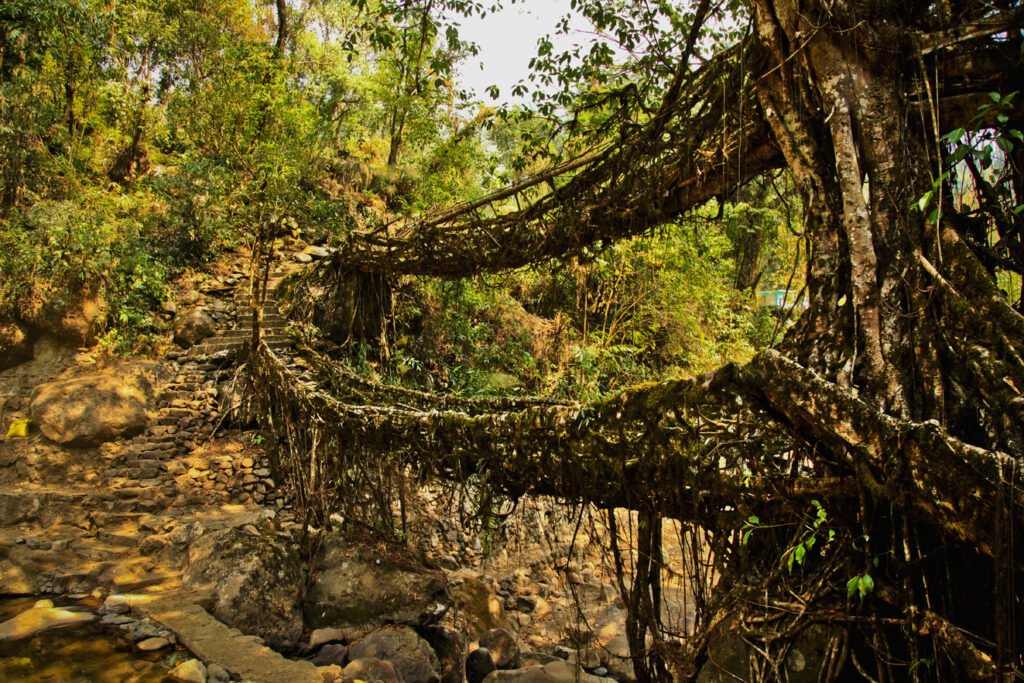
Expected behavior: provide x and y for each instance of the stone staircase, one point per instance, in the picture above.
(189, 407)
(231, 340)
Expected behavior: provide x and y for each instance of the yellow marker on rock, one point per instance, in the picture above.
(19, 428)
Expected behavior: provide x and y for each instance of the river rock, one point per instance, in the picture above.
(152, 644)
(479, 664)
(94, 409)
(357, 590)
(413, 658)
(256, 582)
(41, 617)
(502, 646)
(191, 670)
(371, 669)
(194, 327)
(322, 636)
(216, 672)
(331, 653)
(615, 655)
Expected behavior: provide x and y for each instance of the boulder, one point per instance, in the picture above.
(15, 344)
(194, 327)
(502, 646)
(371, 669)
(615, 656)
(479, 664)
(357, 590)
(94, 409)
(256, 581)
(412, 657)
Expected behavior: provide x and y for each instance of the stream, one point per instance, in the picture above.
(80, 653)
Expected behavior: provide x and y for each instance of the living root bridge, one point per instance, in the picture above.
(707, 450)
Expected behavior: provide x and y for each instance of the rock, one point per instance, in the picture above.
(191, 670)
(194, 327)
(15, 344)
(152, 645)
(332, 674)
(41, 617)
(303, 257)
(217, 673)
(541, 608)
(331, 653)
(412, 657)
(36, 543)
(526, 603)
(588, 658)
(555, 672)
(94, 409)
(615, 656)
(502, 646)
(371, 669)
(256, 582)
(527, 659)
(317, 252)
(360, 590)
(327, 635)
(479, 664)
(190, 297)
(450, 647)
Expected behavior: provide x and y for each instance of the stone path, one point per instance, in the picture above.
(211, 641)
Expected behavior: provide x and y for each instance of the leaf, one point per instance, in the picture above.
(958, 154)
(851, 586)
(954, 135)
(866, 584)
(19, 428)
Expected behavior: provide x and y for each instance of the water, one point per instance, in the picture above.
(83, 653)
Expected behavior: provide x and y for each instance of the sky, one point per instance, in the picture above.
(507, 41)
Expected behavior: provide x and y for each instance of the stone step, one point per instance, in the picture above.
(244, 322)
